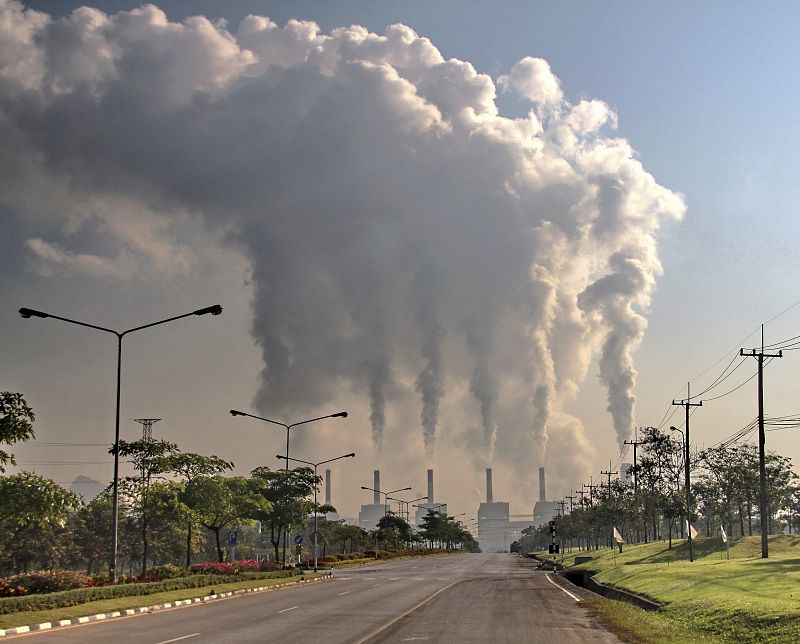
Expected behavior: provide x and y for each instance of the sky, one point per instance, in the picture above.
(500, 235)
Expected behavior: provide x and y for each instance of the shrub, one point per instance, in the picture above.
(167, 571)
(7, 590)
(48, 581)
(82, 595)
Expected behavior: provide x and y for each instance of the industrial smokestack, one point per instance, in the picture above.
(327, 487)
(489, 485)
(542, 494)
(376, 484)
(430, 486)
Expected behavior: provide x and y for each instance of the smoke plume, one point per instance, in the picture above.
(403, 235)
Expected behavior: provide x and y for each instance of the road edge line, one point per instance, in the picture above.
(575, 597)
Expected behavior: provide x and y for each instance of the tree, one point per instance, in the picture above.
(16, 424)
(29, 501)
(150, 458)
(288, 493)
(190, 467)
(394, 530)
(219, 502)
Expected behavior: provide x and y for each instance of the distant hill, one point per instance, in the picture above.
(86, 487)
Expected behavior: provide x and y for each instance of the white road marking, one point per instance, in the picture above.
(408, 612)
(346, 592)
(394, 579)
(415, 638)
(178, 639)
(418, 579)
(375, 585)
(547, 574)
(285, 610)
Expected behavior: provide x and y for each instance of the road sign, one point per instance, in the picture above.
(298, 549)
(232, 538)
(298, 539)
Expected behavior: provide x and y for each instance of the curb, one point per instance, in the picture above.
(99, 617)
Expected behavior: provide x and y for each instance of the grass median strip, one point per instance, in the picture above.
(108, 606)
(713, 599)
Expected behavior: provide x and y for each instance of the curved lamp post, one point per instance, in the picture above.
(236, 412)
(32, 313)
(315, 465)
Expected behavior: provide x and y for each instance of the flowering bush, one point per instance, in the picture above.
(7, 590)
(47, 581)
(234, 567)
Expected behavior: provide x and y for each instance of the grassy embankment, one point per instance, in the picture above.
(121, 603)
(744, 599)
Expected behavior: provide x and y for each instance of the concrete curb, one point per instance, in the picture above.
(98, 617)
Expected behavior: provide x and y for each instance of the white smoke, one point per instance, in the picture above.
(402, 233)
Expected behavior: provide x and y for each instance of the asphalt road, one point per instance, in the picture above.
(455, 598)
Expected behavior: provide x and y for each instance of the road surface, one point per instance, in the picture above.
(449, 598)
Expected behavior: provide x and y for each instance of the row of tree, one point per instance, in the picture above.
(176, 508)
(650, 503)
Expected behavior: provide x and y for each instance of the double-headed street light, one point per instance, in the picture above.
(31, 313)
(236, 412)
(386, 494)
(315, 465)
(408, 505)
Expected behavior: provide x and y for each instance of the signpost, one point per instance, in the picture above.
(232, 543)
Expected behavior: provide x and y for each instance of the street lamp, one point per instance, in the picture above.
(315, 465)
(31, 313)
(236, 412)
(688, 491)
(386, 494)
(408, 504)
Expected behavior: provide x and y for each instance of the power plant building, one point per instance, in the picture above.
(496, 531)
(430, 506)
(544, 510)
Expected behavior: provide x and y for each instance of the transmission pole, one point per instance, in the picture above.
(591, 490)
(636, 442)
(571, 497)
(561, 509)
(147, 427)
(762, 467)
(609, 473)
(686, 404)
(582, 493)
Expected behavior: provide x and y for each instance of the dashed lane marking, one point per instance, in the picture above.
(286, 610)
(346, 592)
(178, 639)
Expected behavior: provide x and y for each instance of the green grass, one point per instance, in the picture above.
(744, 599)
(121, 603)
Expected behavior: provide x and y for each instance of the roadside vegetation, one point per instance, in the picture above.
(713, 599)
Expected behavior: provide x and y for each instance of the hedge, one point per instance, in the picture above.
(82, 595)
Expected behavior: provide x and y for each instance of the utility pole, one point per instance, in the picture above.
(591, 490)
(686, 404)
(571, 497)
(763, 508)
(582, 493)
(636, 442)
(609, 473)
(561, 510)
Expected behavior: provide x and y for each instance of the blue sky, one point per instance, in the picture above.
(708, 95)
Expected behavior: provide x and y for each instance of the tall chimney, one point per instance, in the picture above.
(327, 487)
(542, 495)
(376, 483)
(489, 485)
(430, 486)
